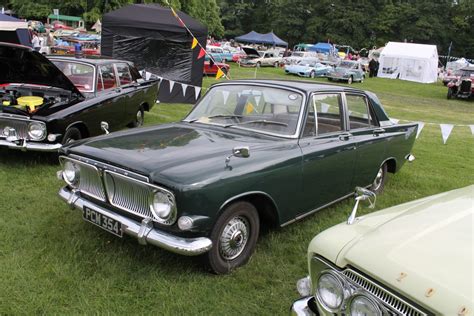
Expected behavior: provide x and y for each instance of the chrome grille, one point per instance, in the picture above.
(394, 302)
(90, 181)
(20, 126)
(128, 194)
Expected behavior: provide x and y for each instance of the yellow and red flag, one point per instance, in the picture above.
(219, 74)
(194, 44)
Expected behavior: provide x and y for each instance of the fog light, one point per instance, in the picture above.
(185, 223)
(303, 286)
(52, 137)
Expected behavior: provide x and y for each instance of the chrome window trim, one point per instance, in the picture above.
(403, 305)
(302, 109)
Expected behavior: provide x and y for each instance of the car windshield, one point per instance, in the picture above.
(81, 75)
(348, 65)
(260, 108)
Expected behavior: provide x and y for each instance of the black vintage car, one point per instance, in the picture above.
(48, 102)
(250, 152)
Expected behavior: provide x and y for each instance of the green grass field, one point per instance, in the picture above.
(52, 262)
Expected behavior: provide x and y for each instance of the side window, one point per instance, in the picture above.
(328, 119)
(108, 77)
(359, 114)
(123, 74)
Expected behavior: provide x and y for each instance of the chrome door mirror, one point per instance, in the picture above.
(240, 152)
(361, 194)
(104, 126)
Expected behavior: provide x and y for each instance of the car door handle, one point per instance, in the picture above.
(345, 136)
(378, 131)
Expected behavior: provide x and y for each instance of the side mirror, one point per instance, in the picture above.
(104, 126)
(361, 194)
(240, 152)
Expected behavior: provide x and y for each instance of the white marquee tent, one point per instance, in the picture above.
(408, 61)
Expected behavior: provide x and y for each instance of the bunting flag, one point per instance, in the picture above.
(225, 94)
(257, 99)
(420, 127)
(184, 87)
(171, 85)
(324, 107)
(472, 129)
(202, 53)
(446, 131)
(197, 91)
(194, 44)
(394, 120)
(219, 74)
(249, 108)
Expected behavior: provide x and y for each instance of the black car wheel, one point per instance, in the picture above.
(349, 81)
(72, 134)
(258, 64)
(139, 118)
(379, 181)
(234, 237)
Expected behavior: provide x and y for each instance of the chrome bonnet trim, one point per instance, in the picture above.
(143, 232)
(25, 145)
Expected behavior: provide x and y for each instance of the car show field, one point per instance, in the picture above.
(52, 261)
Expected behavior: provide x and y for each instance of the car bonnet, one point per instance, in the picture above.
(20, 64)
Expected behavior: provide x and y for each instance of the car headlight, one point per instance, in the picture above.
(164, 207)
(71, 173)
(330, 291)
(363, 305)
(36, 131)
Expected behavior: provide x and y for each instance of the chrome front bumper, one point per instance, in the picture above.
(25, 145)
(144, 230)
(302, 307)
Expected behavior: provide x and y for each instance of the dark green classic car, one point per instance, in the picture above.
(250, 153)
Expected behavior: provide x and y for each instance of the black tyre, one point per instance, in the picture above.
(72, 134)
(379, 181)
(139, 118)
(234, 237)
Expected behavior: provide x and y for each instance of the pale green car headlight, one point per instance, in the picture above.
(330, 291)
(71, 173)
(36, 131)
(164, 207)
(361, 305)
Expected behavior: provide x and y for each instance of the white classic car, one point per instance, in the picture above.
(411, 259)
(263, 58)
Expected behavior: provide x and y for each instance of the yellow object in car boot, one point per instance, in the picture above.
(31, 102)
(6, 103)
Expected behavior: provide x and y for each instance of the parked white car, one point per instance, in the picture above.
(258, 59)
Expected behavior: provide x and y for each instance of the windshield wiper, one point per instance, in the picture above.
(225, 116)
(264, 122)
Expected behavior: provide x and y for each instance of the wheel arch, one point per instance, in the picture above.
(145, 106)
(81, 126)
(263, 202)
(391, 164)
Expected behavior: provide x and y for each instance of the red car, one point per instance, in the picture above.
(463, 87)
(212, 70)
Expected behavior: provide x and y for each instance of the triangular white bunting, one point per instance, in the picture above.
(446, 131)
(324, 107)
(184, 86)
(225, 94)
(472, 129)
(394, 120)
(197, 90)
(257, 99)
(171, 85)
(420, 127)
(350, 112)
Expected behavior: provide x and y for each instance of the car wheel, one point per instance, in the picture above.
(72, 134)
(276, 64)
(312, 74)
(379, 181)
(139, 118)
(234, 237)
(349, 81)
(450, 93)
(258, 64)
(362, 79)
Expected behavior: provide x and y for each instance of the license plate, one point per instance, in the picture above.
(104, 222)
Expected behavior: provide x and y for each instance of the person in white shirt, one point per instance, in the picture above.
(35, 41)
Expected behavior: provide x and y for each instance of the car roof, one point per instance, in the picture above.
(91, 60)
(302, 85)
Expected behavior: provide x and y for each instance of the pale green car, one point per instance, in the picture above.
(411, 259)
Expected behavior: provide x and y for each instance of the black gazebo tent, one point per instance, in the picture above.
(13, 30)
(151, 37)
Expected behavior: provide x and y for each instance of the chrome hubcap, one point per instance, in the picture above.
(139, 118)
(234, 238)
(378, 179)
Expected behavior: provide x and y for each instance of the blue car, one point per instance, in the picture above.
(308, 68)
(349, 71)
(219, 54)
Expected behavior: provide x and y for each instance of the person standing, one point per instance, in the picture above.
(35, 41)
(372, 66)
